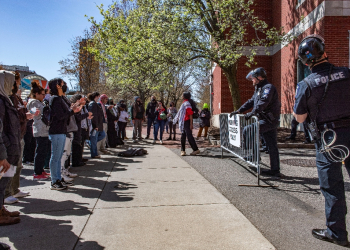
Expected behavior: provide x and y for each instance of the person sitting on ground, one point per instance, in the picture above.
(10, 145)
(40, 132)
(172, 111)
(159, 122)
(205, 116)
(185, 119)
(97, 133)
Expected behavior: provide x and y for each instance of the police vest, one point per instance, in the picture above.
(336, 104)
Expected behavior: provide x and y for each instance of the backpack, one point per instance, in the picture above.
(45, 116)
(195, 113)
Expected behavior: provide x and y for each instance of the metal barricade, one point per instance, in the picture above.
(241, 138)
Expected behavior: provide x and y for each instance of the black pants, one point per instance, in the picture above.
(42, 152)
(172, 128)
(188, 133)
(29, 145)
(293, 131)
(121, 131)
(150, 122)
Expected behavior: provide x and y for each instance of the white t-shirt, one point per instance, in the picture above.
(123, 116)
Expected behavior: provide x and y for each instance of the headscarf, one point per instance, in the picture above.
(7, 78)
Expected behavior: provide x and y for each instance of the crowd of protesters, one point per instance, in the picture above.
(51, 129)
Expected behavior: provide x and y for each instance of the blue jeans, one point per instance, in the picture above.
(57, 148)
(100, 135)
(159, 124)
(332, 185)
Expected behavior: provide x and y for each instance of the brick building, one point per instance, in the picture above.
(329, 18)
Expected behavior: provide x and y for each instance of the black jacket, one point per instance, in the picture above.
(111, 119)
(151, 109)
(77, 134)
(3, 154)
(205, 118)
(11, 136)
(60, 114)
(97, 112)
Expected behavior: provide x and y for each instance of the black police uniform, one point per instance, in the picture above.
(267, 107)
(334, 113)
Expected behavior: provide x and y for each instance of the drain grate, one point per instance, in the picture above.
(300, 162)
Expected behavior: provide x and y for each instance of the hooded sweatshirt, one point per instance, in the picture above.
(39, 128)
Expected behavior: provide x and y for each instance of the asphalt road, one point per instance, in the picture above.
(285, 215)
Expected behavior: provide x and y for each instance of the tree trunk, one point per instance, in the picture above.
(231, 75)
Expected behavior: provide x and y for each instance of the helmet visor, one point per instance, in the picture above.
(249, 77)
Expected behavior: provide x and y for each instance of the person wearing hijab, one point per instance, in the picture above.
(10, 142)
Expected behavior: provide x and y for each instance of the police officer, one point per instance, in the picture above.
(323, 100)
(267, 107)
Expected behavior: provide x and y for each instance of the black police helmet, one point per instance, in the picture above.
(311, 49)
(256, 72)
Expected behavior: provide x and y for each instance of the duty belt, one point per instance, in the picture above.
(335, 124)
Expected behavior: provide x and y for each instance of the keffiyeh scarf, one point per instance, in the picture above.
(180, 116)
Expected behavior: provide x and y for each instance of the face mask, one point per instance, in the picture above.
(64, 88)
(153, 100)
(171, 105)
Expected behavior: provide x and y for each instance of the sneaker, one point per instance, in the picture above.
(66, 183)
(140, 139)
(45, 173)
(134, 141)
(57, 186)
(97, 156)
(66, 178)
(84, 160)
(7, 220)
(195, 152)
(183, 153)
(8, 213)
(21, 194)
(154, 141)
(69, 174)
(40, 177)
(87, 145)
(29, 163)
(161, 142)
(147, 137)
(10, 200)
(4, 246)
(126, 138)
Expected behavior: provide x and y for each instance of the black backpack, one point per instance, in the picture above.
(195, 112)
(45, 116)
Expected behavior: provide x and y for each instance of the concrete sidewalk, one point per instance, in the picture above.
(167, 205)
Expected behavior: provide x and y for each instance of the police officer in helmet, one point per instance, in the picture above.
(266, 106)
(323, 100)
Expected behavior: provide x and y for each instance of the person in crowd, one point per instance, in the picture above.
(137, 116)
(293, 132)
(205, 116)
(185, 119)
(172, 111)
(97, 133)
(86, 128)
(10, 142)
(123, 121)
(266, 105)
(101, 145)
(322, 100)
(112, 118)
(150, 114)
(12, 190)
(71, 128)
(60, 114)
(125, 109)
(40, 132)
(159, 123)
(82, 131)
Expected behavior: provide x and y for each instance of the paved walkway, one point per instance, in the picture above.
(167, 205)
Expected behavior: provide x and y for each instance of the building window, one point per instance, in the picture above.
(303, 71)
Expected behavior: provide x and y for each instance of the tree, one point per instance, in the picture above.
(174, 32)
(88, 72)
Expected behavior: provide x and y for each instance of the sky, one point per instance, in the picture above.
(37, 33)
